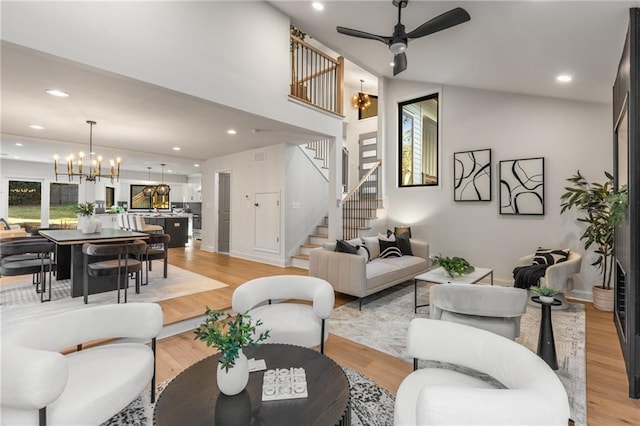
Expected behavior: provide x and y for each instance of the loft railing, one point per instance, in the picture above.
(316, 78)
(360, 204)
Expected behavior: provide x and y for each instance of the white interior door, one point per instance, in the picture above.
(267, 214)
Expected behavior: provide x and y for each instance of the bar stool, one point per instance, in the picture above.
(29, 256)
(157, 248)
(127, 261)
(142, 226)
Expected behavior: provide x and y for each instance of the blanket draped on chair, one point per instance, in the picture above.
(528, 276)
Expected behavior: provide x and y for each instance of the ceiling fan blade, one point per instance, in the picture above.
(441, 22)
(399, 63)
(361, 34)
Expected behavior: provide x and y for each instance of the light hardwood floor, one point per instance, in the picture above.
(607, 398)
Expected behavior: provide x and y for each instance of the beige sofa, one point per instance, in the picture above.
(351, 274)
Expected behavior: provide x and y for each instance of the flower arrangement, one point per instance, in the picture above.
(454, 266)
(229, 334)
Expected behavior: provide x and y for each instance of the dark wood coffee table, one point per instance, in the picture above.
(193, 397)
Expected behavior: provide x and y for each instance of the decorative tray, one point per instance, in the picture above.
(284, 383)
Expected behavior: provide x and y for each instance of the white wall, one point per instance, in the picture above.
(286, 171)
(569, 135)
(221, 51)
(306, 199)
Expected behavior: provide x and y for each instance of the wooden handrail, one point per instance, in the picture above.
(362, 180)
(313, 49)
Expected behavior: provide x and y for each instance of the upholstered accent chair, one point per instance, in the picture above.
(266, 299)
(525, 391)
(42, 386)
(559, 276)
(492, 308)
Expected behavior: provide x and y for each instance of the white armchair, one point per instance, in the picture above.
(532, 393)
(42, 386)
(492, 308)
(291, 323)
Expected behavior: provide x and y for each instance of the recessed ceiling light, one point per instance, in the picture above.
(231, 132)
(36, 127)
(56, 92)
(564, 78)
(317, 5)
(176, 148)
(196, 165)
(169, 171)
(18, 144)
(392, 63)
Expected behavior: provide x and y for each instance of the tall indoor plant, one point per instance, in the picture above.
(602, 208)
(229, 334)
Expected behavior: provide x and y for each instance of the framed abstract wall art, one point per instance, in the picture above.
(522, 186)
(472, 175)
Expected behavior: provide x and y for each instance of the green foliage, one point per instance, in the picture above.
(24, 193)
(229, 334)
(85, 209)
(602, 208)
(544, 291)
(454, 266)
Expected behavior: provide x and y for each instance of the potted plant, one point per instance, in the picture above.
(85, 212)
(601, 208)
(545, 293)
(454, 266)
(229, 334)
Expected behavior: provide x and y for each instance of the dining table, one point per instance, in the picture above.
(69, 257)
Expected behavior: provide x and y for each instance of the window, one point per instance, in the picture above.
(418, 142)
(63, 200)
(25, 198)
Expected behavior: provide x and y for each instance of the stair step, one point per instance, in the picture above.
(301, 256)
(319, 235)
(298, 263)
(311, 246)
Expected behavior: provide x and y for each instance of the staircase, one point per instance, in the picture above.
(315, 241)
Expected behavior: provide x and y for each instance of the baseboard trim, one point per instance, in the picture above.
(584, 295)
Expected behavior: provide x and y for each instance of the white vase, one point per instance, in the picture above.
(546, 299)
(87, 224)
(232, 382)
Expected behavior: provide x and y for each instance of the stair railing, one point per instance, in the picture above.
(360, 202)
(316, 78)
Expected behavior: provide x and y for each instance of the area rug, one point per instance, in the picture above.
(370, 404)
(383, 322)
(20, 302)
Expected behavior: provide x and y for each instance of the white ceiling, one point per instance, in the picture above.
(509, 46)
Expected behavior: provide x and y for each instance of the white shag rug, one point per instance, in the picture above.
(20, 302)
(384, 320)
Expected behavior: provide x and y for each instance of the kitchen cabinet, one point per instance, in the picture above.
(176, 226)
(108, 221)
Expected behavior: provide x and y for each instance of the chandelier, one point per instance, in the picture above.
(92, 169)
(162, 189)
(360, 100)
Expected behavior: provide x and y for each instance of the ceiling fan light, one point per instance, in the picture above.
(398, 47)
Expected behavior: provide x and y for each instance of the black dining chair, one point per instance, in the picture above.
(125, 260)
(157, 249)
(26, 256)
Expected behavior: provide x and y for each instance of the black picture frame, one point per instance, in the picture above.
(472, 175)
(522, 186)
(139, 201)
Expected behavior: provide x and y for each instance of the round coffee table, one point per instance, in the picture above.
(193, 398)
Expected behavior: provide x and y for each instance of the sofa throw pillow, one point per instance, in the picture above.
(345, 247)
(404, 244)
(373, 246)
(364, 252)
(387, 237)
(389, 249)
(545, 256)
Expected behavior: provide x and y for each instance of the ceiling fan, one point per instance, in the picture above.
(398, 41)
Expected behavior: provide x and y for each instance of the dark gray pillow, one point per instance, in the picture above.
(345, 247)
(404, 244)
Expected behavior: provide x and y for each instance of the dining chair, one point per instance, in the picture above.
(125, 260)
(157, 248)
(143, 226)
(29, 255)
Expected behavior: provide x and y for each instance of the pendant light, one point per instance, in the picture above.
(360, 100)
(163, 189)
(149, 189)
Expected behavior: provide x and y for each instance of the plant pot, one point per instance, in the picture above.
(603, 298)
(87, 224)
(233, 382)
(546, 299)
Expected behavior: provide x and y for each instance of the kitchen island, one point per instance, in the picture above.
(176, 225)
